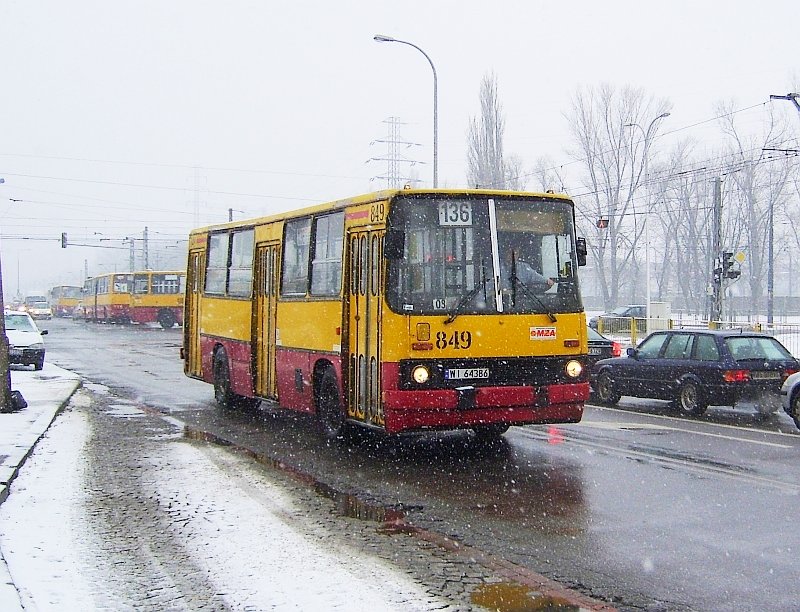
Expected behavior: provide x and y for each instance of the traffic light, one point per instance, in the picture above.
(727, 261)
(727, 266)
(63, 240)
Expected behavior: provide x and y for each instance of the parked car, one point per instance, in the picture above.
(790, 397)
(699, 368)
(25, 342)
(619, 314)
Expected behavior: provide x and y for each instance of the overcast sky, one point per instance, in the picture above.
(118, 115)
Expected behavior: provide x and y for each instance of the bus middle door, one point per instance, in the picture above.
(266, 275)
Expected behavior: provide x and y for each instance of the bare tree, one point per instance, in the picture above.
(757, 193)
(488, 167)
(685, 220)
(612, 159)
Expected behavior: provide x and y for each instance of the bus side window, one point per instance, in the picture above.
(296, 244)
(241, 269)
(326, 267)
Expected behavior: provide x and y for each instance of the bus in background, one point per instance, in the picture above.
(64, 300)
(392, 311)
(107, 298)
(158, 297)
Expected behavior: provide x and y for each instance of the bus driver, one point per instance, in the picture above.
(525, 273)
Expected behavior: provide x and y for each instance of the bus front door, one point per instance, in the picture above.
(363, 322)
(266, 275)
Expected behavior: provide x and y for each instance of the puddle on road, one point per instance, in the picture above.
(345, 504)
(514, 597)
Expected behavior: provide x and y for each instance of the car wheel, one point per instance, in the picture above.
(690, 399)
(796, 409)
(330, 414)
(605, 390)
(39, 363)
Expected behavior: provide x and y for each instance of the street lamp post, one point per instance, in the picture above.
(647, 133)
(5, 373)
(381, 38)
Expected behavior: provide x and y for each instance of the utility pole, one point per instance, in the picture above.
(716, 241)
(7, 403)
(145, 250)
(5, 373)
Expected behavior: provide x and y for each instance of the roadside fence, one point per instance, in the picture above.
(630, 332)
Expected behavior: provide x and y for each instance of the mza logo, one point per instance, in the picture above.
(543, 333)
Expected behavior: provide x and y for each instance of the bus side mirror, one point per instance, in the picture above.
(394, 243)
(581, 251)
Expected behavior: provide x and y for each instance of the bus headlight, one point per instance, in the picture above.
(573, 368)
(420, 374)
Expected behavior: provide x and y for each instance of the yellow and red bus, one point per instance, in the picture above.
(157, 297)
(107, 298)
(388, 310)
(63, 299)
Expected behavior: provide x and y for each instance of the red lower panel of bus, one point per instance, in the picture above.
(149, 314)
(407, 410)
(450, 408)
(112, 312)
(238, 363)
(294, 371)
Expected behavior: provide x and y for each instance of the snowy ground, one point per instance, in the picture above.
(236, 530)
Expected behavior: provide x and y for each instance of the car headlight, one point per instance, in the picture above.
(573, 368)
(36, 346)
(420, 374)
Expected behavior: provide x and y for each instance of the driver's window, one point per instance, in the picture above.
(651, 346)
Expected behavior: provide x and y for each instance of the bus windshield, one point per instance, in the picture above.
(473, 255)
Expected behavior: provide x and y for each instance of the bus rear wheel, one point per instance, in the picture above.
(330, 414)
(223, 393)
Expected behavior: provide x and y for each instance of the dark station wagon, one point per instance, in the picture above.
(697, 369)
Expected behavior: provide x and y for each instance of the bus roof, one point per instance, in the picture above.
(367, 198)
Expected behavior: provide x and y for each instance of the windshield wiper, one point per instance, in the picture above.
(465, 299)
(527, 290)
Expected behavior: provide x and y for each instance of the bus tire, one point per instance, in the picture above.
(222, 381)
(166, 318)
(330, 413)
(489, 433)
(223, 393)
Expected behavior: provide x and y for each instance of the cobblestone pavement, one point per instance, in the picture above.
(128, 528)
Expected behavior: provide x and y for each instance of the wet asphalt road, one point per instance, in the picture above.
(632, 506)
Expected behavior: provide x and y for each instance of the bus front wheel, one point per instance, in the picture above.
(489, 433)
(330, 414)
